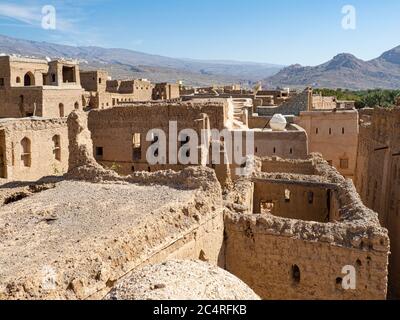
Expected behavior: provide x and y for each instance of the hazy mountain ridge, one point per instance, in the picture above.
(344, 71)
(124, 63)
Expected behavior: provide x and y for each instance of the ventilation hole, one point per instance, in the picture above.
(202, 256)
(296, 274)
(339, 282)
(359, 262)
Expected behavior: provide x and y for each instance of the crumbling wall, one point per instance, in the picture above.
(275, 164)
(21, 102)
(285, 258)
(270, 248)
(124, 123)
(69, 99)
(305, 202)
(292, 106)
(46, 155)
(80, 142)
(42, 95)
(88, 258)
(378, 176)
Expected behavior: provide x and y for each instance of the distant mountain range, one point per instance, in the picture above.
(123, 63)
(343, 71)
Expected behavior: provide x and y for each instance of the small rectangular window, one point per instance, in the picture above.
(99, 153)
(1, 82)
(136, 140)
(137, 154)
(316, 131)
(136, 145)
(342, 130)
(57, 147)
(287, 195)
(310, 197)
(344, 163)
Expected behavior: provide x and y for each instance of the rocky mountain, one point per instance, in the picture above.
(123, 63)
(344, 71)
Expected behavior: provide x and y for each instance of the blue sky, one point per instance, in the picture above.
(308, 32)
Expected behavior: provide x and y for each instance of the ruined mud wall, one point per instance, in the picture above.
(291, 144)
(44, 159)
(276, 164)
(378, 177)
(88, 258)
(295, 259)
(270, 248)
(28, 101)
(308, 203)
(70, 99)
(113, 130)
(20, 102)
(293, 106)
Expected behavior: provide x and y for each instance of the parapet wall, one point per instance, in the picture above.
(272, 165)
(270, 248)
(285, 258)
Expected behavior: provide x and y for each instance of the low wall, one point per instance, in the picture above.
(264, 252)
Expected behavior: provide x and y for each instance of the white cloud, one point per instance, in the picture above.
(26, 14)
(32, 16)
(71, 16)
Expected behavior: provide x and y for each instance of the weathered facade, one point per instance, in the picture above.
(298, 224)
(334, 134)
(378, 177)
(290, 106)
(121, 136)
(292, 228)
(166, 91)
(106, 93)
(33, 148)
(82, 248)
(33, 87)
(324, 103)
(79, 246)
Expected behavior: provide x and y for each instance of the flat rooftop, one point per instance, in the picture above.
(78, 228)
